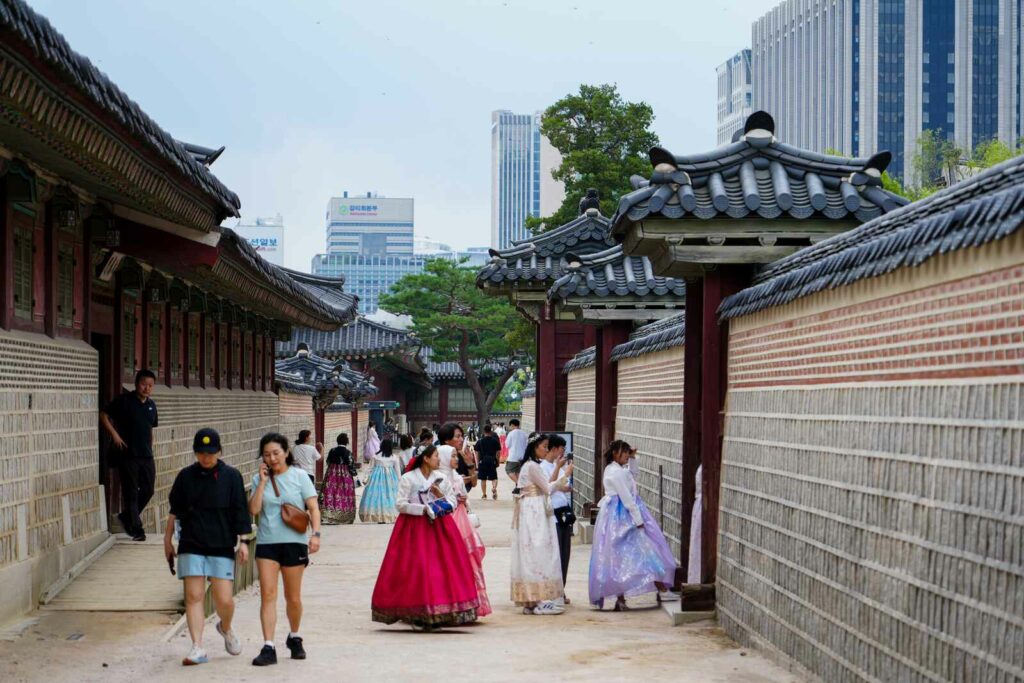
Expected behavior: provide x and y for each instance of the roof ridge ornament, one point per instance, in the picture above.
(759, 129)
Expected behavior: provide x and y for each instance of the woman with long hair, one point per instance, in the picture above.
(371, 444)
(452, 441)
(338, 497)
(426, 579)
(280, 549)
(405, 450)
(630, 555)
(536, 562)
(378, 501)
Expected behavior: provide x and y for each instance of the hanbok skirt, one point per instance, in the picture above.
(378, 501)
(536, 563)
(338, 496)
(475, 546)
(504, 448)
(426, 578)
(625, 560)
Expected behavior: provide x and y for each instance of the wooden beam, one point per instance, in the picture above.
(727, 254)
(638, 314)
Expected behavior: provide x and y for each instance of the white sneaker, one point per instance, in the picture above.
(668, 596)
(196, 655)
(548, 608)
(231, 642)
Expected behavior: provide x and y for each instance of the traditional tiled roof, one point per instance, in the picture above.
(324, 297)
(758, 175)
(437, 370)
(611, 273)
(361, 338)
(20, 23)
(584, 359)
(540, 259)
(325, 380)
(531, 390)
(976, 211)
(657, 336)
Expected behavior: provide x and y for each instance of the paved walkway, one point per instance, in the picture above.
(344, 645)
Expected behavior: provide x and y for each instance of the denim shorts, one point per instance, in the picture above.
(206, 565)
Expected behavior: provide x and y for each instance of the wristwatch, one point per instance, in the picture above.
(317, 534)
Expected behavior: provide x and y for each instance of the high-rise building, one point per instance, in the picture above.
(521, 183)
(367, 275)
(266, 235)
(369, 225)
(861, 76)
(734, 95)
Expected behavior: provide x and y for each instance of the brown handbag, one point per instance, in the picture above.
(295, 518)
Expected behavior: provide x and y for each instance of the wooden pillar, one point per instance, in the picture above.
(52, 270)
(692, 359)
(547, 367)
(718, 284)
(355, 430)
(319, 437)
(442, 402)
(589, 336)
(606, 394)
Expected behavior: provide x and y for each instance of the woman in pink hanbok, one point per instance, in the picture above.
(451, 437)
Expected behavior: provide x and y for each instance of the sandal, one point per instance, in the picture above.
(620, 606)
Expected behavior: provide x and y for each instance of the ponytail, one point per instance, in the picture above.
(615, 447)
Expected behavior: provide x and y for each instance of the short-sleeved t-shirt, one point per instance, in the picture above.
(488, 447)
(295, 487)
(134, 421)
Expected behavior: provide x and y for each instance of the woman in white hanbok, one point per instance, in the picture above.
(536, 562)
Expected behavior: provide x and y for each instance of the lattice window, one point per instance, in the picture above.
(175, 345)
(224, 356)
(236, 358)
(128, 338)
(460, 400)
(65, 285)
(211, 354)
(247, 358)
(23, 262)
(194, 342)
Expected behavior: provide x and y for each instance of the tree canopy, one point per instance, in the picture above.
(603, 140)
(484, 334)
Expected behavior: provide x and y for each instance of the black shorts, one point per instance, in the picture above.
(285, 554)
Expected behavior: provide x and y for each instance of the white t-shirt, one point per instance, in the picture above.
(516, 444)
(306, 457)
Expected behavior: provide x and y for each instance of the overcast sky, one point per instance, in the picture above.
(313, 98)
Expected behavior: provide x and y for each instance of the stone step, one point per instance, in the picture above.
(679, 617)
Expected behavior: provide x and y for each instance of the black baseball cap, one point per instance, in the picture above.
(206, 441)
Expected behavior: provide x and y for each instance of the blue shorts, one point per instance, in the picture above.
(206, 565)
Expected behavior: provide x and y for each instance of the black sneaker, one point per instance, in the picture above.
(295, 645)
(139, 535)
(266, 657)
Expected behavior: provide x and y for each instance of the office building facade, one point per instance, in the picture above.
(367, 275)
(735, 95)
(521, 184)
(861, 76)
(266, 235)
(369, 225)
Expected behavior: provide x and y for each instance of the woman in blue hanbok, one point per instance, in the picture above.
(630, 555)
(378, 501)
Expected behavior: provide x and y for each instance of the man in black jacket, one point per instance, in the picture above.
(208, 500)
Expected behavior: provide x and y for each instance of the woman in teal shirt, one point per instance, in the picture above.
(279, 548)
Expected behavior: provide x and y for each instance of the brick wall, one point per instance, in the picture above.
(336, 422)
(872, 502)
(241, 418)
(579, 419)
(296, 414)
(51, 506)
(528, 422)
(649, 415)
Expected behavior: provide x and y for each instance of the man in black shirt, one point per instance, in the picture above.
(208, 500)
(489, 447)
(130, 419)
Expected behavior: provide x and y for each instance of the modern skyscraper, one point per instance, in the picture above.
(521, 183)
(861, 76)
(266, 235)
(734, 95)
(370, 225)
(367, 276)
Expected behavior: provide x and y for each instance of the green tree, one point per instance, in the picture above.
(511, 399)
(990, 153)
(484, 334)
(603, 140)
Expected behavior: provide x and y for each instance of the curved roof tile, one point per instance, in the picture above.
(584, 359)
(982, 209)
(657, 336)
(758, 176)
(611, 273)
(360, 338)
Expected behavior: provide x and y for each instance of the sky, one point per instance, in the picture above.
(315, 97)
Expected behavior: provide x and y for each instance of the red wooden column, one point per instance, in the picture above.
(547, 414)
(692, 360)
(442, 402)
(718, 284)
(355, 431)
(606, 395)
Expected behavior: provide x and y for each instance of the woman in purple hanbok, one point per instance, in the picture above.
(630, 555)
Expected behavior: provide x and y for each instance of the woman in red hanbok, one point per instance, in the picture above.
(452, 438)
(426, 579)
